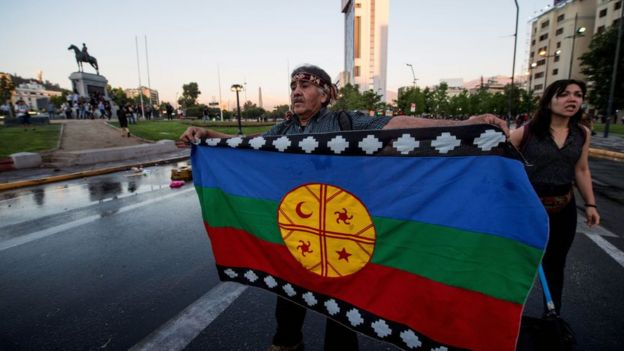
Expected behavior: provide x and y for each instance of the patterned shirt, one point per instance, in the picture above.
(326, 121)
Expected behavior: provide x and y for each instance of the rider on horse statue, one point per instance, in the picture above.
(83, 56)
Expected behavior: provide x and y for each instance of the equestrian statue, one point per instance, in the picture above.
(83, 56)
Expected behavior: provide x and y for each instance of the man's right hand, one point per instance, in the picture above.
(192, 134)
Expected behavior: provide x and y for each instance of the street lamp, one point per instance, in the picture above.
(544, 54)
(578, 32)
(237, 88)
(513, 65)
(616, 61)
(413, 75)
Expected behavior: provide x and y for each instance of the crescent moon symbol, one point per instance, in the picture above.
(300, 213)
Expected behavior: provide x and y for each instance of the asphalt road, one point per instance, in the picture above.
(107, 263)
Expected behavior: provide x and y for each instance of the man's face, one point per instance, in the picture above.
(307, 99)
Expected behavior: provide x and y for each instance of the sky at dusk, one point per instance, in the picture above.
(255, 42)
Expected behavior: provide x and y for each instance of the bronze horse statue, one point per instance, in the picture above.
(80, 58)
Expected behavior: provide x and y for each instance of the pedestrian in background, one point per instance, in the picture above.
(169, 109)
(122, 117)
(556, 146)
(51, 110)
(22, 114)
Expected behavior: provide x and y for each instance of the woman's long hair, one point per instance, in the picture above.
(540, 124)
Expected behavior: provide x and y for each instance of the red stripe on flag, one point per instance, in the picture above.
(449, 315)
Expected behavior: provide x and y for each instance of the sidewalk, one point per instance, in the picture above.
(92, 138)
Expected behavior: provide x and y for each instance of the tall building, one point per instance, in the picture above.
(607, 14)
(366, 44)
(131, 93)
(559, 36)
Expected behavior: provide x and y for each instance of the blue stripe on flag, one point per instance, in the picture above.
(458, 192)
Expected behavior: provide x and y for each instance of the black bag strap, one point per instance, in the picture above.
(344, 120)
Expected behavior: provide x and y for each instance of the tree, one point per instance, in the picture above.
(597, 65)
(6, 90)
(251, 111)
(459, 105)
(370, 100)
(439, 100)
(57, 101)
(528, 102)
(118, 95)
(515, 99)
(190, 92)
(279, 111)
(407, 97)
(349, 99)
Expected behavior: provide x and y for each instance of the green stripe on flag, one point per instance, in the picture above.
(489, 264)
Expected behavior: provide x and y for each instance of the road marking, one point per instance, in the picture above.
(179, 331)
(24, 239)
(582, 227)
(611, 250)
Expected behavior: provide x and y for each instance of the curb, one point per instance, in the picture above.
(82, 174)
(608, 154)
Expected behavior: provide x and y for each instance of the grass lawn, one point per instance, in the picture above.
(16, 139)
(158, 130)
(613, 128)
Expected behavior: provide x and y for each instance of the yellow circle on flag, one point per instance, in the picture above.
(327, 229)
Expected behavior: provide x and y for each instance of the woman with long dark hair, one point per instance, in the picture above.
(556, 147)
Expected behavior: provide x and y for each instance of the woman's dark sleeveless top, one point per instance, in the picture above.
(551, 169)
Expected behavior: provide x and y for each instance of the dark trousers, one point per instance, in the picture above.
(290, 317)
(562, 232)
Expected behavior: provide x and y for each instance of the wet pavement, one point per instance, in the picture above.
(60, 197)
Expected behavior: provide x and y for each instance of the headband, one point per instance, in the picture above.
(329, 88)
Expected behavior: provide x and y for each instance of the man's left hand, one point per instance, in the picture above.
(489, 119)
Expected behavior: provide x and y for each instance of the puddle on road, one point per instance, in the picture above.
(24, 204)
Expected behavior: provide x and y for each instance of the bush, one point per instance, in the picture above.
(195, 111)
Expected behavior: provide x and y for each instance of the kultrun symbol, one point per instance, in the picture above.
(326, 229)
(342, 216)
(305, 248)
(300, 213)
(343, 255)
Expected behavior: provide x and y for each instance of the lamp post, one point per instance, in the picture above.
(513, 65)
(544, 54)
(578, 32)
(237, 88)
(616, 61)
(413, 75)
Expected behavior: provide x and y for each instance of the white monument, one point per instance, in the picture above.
(88, 84)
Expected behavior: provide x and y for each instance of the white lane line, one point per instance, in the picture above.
(24, 239)
(611, 250)
(179, 331)
(582, 227)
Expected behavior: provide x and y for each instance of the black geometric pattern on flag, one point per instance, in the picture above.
(347, 314)
(471, 140)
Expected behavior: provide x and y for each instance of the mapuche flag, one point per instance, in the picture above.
(425, 238)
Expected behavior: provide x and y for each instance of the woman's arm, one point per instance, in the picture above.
(584, 182)
(516, 136)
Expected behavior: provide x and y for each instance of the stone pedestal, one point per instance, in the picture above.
(87, 84)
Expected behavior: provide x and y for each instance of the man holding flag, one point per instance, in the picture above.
(311, 93)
